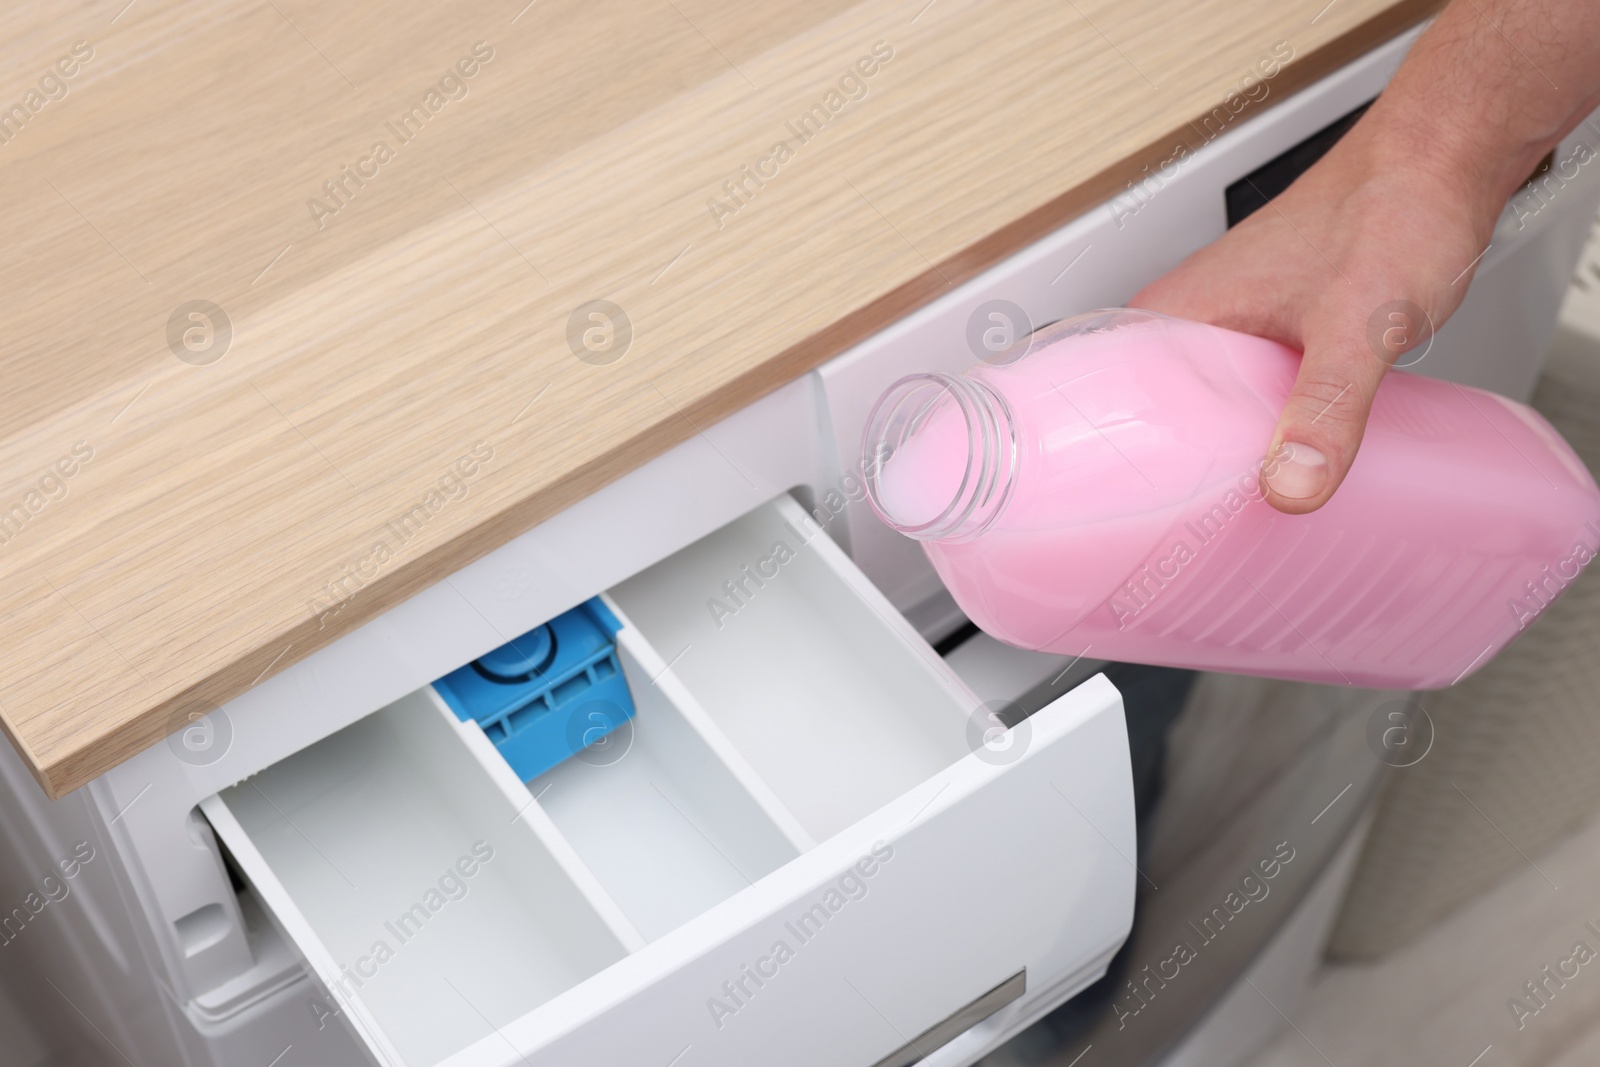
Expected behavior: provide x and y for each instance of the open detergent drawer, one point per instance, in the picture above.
(808, 845)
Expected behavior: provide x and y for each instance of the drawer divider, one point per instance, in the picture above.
(538, 820)
(747, 776)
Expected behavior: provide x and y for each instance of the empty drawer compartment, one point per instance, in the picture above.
(801, 822)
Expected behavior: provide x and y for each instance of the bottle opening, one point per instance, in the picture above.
(939, 457)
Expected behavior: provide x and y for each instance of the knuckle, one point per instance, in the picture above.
(1329, 400)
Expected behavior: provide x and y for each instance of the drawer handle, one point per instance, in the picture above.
(940, 1034)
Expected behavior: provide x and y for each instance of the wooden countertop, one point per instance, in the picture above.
(394, 368)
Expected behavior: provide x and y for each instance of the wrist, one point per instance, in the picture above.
(1471, 111)
(1466, 170)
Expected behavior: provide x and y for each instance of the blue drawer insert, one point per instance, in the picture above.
(549, 694)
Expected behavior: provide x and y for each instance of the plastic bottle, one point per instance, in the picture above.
(1096, 491)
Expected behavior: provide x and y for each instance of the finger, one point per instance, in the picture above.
(1322, 423)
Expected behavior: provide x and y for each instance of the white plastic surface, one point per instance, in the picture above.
(361, 846)
(633, 884)
(822, 686)
(897, 958)
(665, 825)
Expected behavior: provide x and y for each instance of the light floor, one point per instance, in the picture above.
(1443, 999)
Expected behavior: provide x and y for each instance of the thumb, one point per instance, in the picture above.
(1325, 416)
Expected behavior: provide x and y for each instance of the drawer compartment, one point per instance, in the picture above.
(665, 824)
(825, 688)
(799, 823)
(370, 836)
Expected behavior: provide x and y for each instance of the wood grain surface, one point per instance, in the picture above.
(264, 379)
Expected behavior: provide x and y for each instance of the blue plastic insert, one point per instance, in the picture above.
(549, 694)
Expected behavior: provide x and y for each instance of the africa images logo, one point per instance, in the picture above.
(804, 927)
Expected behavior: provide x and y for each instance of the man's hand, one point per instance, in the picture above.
(1373, 247)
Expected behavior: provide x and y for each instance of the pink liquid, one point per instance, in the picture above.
(1135, 530)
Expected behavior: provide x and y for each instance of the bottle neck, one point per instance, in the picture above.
(939, 457)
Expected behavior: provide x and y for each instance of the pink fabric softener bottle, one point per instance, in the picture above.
(1095, 490)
